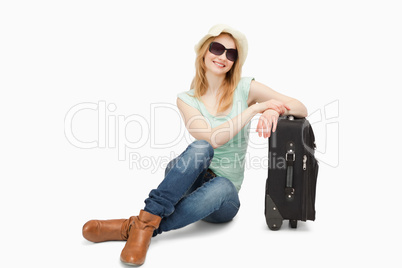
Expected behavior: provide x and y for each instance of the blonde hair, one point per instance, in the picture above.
(200, 82)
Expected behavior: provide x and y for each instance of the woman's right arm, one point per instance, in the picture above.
(200, 129)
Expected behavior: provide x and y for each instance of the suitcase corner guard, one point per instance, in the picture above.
(272, 216)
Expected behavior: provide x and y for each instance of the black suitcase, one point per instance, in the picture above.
(292, 173)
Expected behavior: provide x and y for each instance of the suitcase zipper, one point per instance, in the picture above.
(306, 190)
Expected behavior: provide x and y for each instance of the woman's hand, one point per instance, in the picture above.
(271, 110)
(273, 105)
(268, 120)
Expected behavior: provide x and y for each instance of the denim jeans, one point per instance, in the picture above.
(190, 193)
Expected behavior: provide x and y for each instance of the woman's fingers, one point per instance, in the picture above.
(268, 121)
(267, 132)
(274, 123)
(271, 126)
(264, 126)
(259, 126)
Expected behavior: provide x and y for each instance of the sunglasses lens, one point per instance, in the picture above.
(231, 54)
(216, 48)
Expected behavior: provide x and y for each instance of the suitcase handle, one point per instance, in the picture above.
(290, 158)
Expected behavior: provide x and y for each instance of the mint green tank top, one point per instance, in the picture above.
(229, 159)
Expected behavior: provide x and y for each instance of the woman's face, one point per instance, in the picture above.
(220, 65)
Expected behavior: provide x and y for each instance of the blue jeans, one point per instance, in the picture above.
(189, 192)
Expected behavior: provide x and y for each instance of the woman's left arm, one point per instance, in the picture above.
(260, 93)
(269, 119)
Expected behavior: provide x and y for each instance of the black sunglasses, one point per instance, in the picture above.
(218, 49)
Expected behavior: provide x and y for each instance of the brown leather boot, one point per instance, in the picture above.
(139, 238)
(106, 230)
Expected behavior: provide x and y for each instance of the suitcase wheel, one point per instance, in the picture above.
(293, 223)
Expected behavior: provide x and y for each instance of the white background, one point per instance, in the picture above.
(343, 55)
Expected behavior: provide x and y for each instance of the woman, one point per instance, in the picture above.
(203, 182)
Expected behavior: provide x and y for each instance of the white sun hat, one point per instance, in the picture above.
(223, 28)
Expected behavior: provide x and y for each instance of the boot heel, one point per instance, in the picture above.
(139, 238)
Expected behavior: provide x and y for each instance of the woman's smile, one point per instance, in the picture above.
(219, 64)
